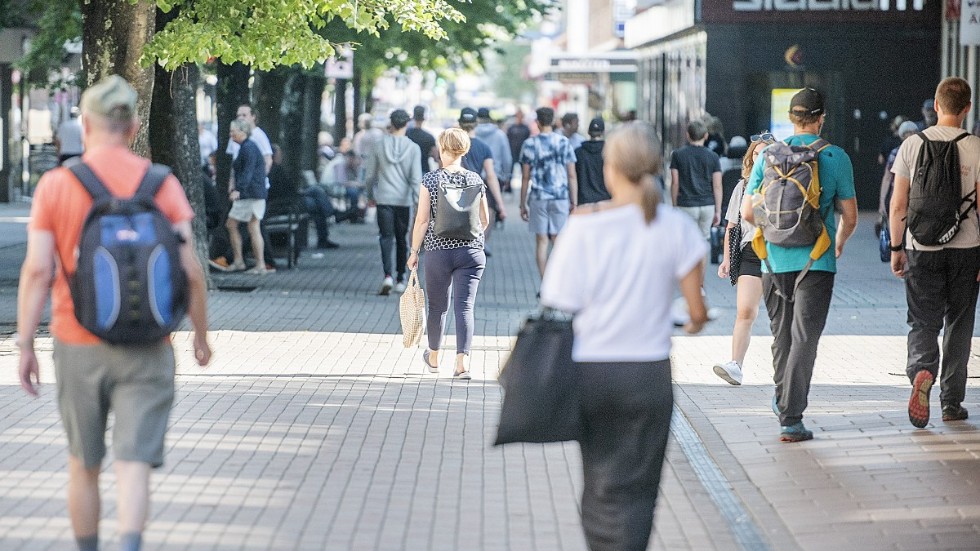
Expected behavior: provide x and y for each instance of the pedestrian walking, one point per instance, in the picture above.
(450, 260)
(496, 140)
(248, 194)
(798, 281)
(68, 138)
(258, 136)
(588, 165)
(939, 259)
(94, 377)
(747, 270)
(549, 189)
(620, 288)
(393, 175)
(480, 159)
(516, 134)
(569, 129)
(423, 139)
(695, 179)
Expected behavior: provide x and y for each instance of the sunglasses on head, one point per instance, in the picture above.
(764, 136)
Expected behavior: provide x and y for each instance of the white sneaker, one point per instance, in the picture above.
(386, 285)
(400, 287)
(730, 371)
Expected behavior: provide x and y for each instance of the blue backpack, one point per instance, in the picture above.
(129, 287)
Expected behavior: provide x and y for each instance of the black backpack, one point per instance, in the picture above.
(129, 287)
(935, 196)
(458, 207)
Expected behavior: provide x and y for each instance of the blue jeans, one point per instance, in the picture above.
(462, 268)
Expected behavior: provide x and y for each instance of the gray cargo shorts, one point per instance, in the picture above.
(137, 383)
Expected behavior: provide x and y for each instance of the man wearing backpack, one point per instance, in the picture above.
(933, 212)
(137, 382)
(799, 248)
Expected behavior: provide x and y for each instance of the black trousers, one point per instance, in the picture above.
(941, 290)
(393, 229)
(626, 409)
(796, 328)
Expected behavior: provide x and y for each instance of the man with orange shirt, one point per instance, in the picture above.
(92, 376)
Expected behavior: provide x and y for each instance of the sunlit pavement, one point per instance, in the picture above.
(315, 429)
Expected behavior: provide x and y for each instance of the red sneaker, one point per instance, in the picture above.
(919, 401)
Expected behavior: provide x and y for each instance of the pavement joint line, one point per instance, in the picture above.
(741, 523)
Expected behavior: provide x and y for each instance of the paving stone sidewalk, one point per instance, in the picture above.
(315, 429)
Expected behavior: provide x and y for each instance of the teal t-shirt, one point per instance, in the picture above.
(836, 182)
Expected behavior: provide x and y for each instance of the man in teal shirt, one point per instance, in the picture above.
(797, 319)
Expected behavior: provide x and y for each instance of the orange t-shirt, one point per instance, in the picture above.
(60, 206)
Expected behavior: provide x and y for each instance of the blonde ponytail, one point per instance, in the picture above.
(651, 197)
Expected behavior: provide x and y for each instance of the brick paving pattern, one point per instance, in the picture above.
(315, 429)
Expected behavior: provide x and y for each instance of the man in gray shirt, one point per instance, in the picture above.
(393, 175)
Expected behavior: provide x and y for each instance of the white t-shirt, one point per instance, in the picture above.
(209, 144)
(732, 216)
(968, 235)
(618, 274)
(258, 136)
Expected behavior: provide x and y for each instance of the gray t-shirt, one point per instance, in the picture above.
(969, 148)
(732, 216)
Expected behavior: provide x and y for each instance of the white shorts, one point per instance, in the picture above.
(244, 209)
(547, 216)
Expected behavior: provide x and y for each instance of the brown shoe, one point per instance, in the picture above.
(919, 401)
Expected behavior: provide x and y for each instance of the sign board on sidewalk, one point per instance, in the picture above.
(341, 66)
(970, 23)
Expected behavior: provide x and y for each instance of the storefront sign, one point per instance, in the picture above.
(970, 23)
(827, 5)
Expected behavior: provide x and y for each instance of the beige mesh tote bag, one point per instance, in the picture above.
(411, 309)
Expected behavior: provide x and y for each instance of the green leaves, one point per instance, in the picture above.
(267, 33)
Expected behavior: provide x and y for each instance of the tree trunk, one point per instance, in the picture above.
(232, 91)
(312, 98)
(340, 111)
(291, 133)
(173, 140)
(114, 33)
(268, 91)
(358, 106)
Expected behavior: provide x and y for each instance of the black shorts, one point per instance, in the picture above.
(751, 265)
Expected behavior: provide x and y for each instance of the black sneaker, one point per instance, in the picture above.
(954, 412)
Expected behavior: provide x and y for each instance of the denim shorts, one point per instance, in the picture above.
(547, 216)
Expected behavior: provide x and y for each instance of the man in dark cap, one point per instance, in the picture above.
(798, 306)
(425, 141)
(588, 165)
(393, 176)
(479, 159)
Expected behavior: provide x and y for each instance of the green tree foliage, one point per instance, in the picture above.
(56, 24)
(267, 33)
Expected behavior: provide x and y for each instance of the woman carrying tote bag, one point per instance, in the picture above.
(616, 267)
(452, 216)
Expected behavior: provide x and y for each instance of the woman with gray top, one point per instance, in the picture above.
(749, 277)
(455, 262)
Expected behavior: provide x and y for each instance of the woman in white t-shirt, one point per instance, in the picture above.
(749, 289)
(616, 267)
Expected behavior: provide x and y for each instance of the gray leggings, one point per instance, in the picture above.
(462, 268)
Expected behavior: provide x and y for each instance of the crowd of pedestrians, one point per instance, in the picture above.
(609, 247)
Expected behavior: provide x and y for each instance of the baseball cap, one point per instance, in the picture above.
(929, 104)
(483, 113)
(597, 126)
(399, 118)
(467, 115)
(807, 102)
(112, 97)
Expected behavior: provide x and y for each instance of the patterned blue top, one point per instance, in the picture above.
(548, 155)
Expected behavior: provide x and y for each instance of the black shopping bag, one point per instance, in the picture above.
(540, 381)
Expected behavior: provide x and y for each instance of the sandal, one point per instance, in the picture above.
(425, 359)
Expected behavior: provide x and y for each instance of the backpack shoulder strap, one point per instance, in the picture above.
(923, 137)
(819, 145)
(90, 182)
(960, 137)
(152, 180)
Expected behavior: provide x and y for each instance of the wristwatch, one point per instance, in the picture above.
(896, 248)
